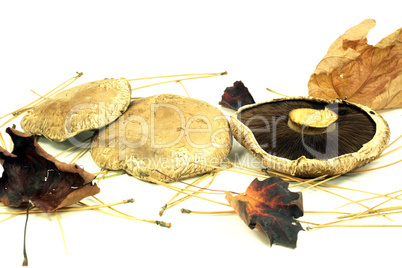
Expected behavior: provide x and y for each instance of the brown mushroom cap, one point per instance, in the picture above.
(179, 136)
(365, 139)
(85, 107)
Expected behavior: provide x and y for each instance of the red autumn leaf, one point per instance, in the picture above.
(32, 175)
(236, 96)
(271, 205)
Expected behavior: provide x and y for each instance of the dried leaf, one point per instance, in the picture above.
(359, 72)
(236, 96)
(271, 205)
(32, 175)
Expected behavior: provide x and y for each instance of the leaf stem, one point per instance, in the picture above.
(188, 94)
(50, 93)
(202, 188)
(126, 216)
(320, 182)
(354, 225)
(96, 208)
(177, 75)
(258, 172)
(390, 152)
(9, 120)
(40, 96)
(234, 170)
(389, 145)
(369, 210)
(361, 215)
(10, 217)
(187, 211)
(372, 169)
(277, 93)
(177, 80)
(182, 191)
(308, 181)
(81, 153)
(72, 147)
(327, 191)
(371, 198)
(324, 212)
(170, 203)
(62, 232)
(3, 142)
(25, 262)
(69, 209)
(117, 173)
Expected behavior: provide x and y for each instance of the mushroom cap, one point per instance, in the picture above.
(304, 166)
(179, 136)
(85, 107)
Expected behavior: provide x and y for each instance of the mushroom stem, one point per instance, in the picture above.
(312, 121)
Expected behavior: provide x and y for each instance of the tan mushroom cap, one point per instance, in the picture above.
(85, 107)
(179, 136)
(304, 167)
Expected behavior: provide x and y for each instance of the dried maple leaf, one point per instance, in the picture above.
(359, 72)
(271, 205)
(236, 96)
(32, 175)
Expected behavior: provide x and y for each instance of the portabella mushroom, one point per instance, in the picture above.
(89, 106)
(164, 137)
(310, 137)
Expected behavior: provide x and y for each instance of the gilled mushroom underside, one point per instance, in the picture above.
(272, 128)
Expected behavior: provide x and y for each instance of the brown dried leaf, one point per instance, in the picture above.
(359, 72)
(236, 96)
(32, 175)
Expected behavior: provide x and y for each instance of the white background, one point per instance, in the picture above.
(274, 44)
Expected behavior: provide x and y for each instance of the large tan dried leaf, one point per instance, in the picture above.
(359, 72)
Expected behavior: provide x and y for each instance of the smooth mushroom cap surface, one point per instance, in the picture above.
(85, 107)
(180, 137)
(360, 136)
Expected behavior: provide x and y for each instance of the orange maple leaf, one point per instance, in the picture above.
(271, 205)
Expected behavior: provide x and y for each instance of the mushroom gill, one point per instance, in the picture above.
(307, 136)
